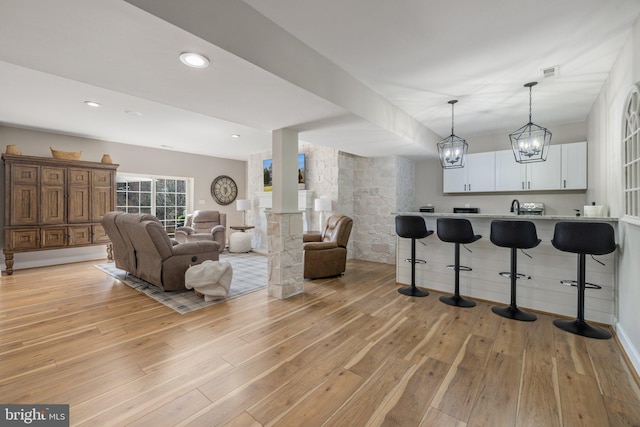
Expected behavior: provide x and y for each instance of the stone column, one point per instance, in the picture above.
(284, 222)
(284, 230)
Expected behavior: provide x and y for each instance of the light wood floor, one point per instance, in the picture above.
(349, 352)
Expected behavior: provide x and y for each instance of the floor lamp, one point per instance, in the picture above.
(322, 205)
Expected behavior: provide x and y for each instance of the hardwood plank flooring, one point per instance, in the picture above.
(350, 351)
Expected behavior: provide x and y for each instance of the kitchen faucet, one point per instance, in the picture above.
(515, 206)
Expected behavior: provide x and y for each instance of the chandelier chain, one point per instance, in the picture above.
(452, 104)
(530, 104)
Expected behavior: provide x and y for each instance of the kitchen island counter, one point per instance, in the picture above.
(509, 216)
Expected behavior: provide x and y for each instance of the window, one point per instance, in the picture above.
(165, 197)
(631, 153)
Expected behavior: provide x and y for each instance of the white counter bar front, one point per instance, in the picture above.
(548, 266)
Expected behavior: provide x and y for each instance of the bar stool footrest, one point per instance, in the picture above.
(507, 274)
(582, 328)
(460, 268)
(575, 283)
(417, 261)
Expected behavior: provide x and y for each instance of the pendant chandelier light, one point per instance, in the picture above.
(531, 142)
(452, 150)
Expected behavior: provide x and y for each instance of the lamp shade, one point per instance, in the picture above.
(243, 205)
(322, 204)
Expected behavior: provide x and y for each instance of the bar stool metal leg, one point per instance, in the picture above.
(412, 290)
(512, 311)
(579, 326)
(456, 299)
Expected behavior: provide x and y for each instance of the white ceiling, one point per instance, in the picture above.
(417, 54)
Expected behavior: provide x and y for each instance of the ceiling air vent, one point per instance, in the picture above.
(549, 72)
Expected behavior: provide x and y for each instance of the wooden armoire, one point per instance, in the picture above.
(53, 203)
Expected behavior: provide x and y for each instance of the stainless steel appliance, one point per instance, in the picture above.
(531, 208)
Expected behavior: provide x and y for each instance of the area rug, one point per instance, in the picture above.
(249, 275)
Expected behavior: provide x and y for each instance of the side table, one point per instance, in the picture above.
(242, 228)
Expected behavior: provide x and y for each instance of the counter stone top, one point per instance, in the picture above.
(508, 216)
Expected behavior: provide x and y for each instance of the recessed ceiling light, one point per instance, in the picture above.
(133, 113)
(235, 135)
(92, 104)
(194, 60)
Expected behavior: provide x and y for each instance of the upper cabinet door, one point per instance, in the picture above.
(478, 175)
(481, 172)
(454, 180)
(546, 175)
(510, 175)
(574, 166)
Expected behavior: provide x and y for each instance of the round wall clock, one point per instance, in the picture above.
(224, 190)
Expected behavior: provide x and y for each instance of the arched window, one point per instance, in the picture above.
(631, 152)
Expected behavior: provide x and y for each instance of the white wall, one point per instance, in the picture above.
(132, 159)
(605, 160)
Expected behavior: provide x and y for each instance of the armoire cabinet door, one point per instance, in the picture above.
(24, 195)
(53, 196)
(79, 187)
(102, 194)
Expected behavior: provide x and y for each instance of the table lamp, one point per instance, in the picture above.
(243, 205)
(322, 205)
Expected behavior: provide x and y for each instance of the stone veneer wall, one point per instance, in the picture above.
(405, 187)
(382, 185)
(366, 189)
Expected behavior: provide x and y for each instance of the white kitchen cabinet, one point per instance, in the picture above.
(564, 169)
(513, 176)
(546, 175)
(476, 176)
(574, 166)
(510, 175)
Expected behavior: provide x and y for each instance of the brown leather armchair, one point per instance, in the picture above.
(202, 226)
(325, 254)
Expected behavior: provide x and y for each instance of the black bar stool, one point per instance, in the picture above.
(458, 231)
(412, 227)
(582, 238)
(514, 235)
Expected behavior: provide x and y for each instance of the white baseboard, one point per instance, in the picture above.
(629, 348)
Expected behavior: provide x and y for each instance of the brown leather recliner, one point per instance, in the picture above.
(142, 247)
(122, 249)
(202, 226)
(325, 255)
(162, 263)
